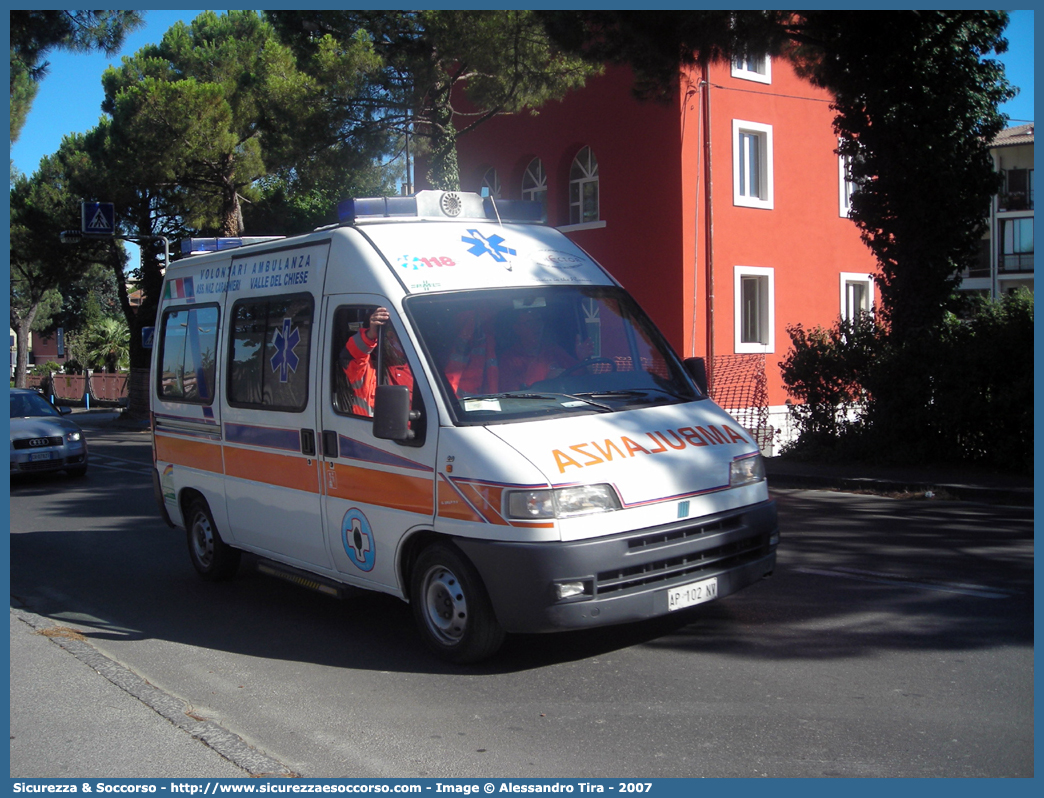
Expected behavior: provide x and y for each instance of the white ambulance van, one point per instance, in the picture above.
(515, 448)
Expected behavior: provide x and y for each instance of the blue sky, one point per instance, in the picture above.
(69, 100)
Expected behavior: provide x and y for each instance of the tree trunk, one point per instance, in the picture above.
(232, 216)
(22, 331)
(231, 211)
(141, 316)
(443, 173)
(138, 382)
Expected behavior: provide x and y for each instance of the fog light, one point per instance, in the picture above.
(564, 590)
(774, 539)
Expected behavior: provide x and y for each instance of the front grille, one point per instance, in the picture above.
(36, 443)
(684, 567)
(685, 533)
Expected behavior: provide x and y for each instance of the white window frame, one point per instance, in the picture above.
(589, 176)
(845, 186)
(763, 194)
(766, 310)
(849, 278)
(741, 68)
(534, 182)
(492, 184)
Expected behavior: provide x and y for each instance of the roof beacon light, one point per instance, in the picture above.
(195, 246)
(440, 205)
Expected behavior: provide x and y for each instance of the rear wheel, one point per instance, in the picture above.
(213, 559)
(451, 607)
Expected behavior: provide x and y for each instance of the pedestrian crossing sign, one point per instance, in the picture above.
(98, 218)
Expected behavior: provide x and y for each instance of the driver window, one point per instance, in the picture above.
(355, 358)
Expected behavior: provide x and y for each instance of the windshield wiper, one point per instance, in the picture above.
(632, 392)
(548, 395)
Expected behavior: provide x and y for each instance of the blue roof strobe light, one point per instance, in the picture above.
(190, 246)
(439, 205)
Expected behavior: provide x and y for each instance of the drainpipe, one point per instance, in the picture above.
(708, 229)
(996, 244)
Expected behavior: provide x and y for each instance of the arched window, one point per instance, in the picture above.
(534, 181)
(583, 188)
(492, 182)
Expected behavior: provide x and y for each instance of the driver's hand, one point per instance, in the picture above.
(379, 317)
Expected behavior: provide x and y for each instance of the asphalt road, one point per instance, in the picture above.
(895, 639)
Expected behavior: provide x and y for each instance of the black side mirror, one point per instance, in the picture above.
(697, 368)
(391, 413)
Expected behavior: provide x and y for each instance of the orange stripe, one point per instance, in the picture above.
(451, 505)
(282, 470)
(486, 499)
(370, 486)
(206, 456)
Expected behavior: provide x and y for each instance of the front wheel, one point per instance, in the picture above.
(451, 607)
(213, 559)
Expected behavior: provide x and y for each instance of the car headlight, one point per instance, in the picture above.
(561, 502)
(72, 436)
(746, 470)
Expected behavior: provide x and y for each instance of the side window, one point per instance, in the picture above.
(857, 295)
(492, 182)
(754, 309)
(583, 188)
(534, 183)
(752, 178)
(188, 344)
(359, 367)
(1017, 244)
(752, 67)
(269, 350)
(846, 185)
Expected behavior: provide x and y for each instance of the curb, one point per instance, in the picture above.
(226, 743)
(1020, 497)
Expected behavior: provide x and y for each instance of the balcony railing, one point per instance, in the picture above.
(1022, 262)
(1015, 201)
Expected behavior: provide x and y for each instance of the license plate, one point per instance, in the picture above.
(693, 593)
(40, 456)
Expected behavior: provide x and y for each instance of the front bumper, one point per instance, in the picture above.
(628, 574)
(22, 463)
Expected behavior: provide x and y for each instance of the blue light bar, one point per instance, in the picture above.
(451, 205)
(196, 245)
(350, 210)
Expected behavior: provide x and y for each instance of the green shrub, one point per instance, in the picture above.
(962, 392)
(49, 367)
(826, 371)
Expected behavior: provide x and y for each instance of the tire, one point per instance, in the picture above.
(451, 607)
(213, 559)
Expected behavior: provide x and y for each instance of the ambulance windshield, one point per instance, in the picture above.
(518, 354)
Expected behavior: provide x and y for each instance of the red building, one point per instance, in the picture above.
(723, 211)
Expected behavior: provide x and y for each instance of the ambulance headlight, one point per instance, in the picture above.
(530, 504)
(585, 499)
(561, 502)
(746, 471)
